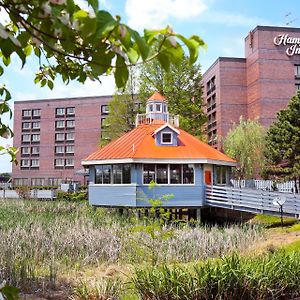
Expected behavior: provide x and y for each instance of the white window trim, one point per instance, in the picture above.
(58, 135)
(36, 127)
(72, 138)
(37, 152)
(36, 138)
(24, 127)
(27, 139)
(161, 138)
(59, 165)
(59, 152)
(35, 165)
(58, 122)
(69, 151)
(60, 111)
(69, 165)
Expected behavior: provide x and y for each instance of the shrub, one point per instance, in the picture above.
(24, 192)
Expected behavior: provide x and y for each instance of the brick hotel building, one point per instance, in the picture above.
(55, 135)
(256, 86)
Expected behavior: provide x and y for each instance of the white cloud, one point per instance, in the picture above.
(155, 13)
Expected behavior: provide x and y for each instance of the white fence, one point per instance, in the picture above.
(34, 194)
(265, 185)
(250, 200)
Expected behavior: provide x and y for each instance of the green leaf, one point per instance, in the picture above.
(28, 50)
(37, 51)
(105, 23)
(142, 45)
(192, 45)
(121, 72)
(6, 61)
(132, 55)
(79, 14)
(43, 82)
(10, 292)
(1, 71)
(94, 4)
(50, 84)
(164, 61)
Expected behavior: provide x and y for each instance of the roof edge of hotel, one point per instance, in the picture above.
(224, 58)
(62, 99)
(275, 28)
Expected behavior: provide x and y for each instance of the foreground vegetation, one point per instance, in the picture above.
(98, 254)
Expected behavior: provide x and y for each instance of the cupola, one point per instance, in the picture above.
(157, 112)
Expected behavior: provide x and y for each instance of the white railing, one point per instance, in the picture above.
(154, 118)
(250, 200)
(34, 194)
(265, 185)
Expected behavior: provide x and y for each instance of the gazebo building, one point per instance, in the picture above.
(157, 150)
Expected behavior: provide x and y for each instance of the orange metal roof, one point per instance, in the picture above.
(157, 97)
(140, 143)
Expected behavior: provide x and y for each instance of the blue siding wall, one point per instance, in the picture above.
(137, 194)
(158, 137)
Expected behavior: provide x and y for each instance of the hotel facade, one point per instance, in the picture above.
(53, 136)
(254, 87)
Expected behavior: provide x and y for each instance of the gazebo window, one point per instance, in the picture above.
(175, 174)
(188, 174)
(168, 174)
(107, 174)
(117, 174)
(162, 174)
(149, 173)
(221, 177)
(113, 174)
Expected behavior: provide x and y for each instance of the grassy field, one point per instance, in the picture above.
(69, 249)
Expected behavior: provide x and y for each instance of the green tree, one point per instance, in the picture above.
(75, 44)
(245, 142)
(283, 144)
(182, 88)
(122, 111)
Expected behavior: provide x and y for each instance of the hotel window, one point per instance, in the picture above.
(297, 85)
(37, 181)
(162, 174)
(20, 181)
(35, 137)
(69, 149)
(188, 174)
(25, 163)
(60, 111)
(59, 137)
(69, 162)
(35, 163)
(26, 113)
(54, 181)
(35, 150)
(166, 138)
(36, 125)
(104, 109)
(70, 110)
(70, 136)
(25, 150)
(26, 125)
(175, 174)
(107, 174)
(297, 71)
(149, 173)
(103, 123)
(59, 149)
(60, 124)
(26, 138)
(36, 112)
(70, 123)
(59, 162)
(221, 176)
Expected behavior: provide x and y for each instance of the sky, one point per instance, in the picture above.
(222, 24)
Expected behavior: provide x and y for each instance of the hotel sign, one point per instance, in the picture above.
(292, 43)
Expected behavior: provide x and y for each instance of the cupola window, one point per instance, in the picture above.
(158, 107)
(151, 107)
(166, 138)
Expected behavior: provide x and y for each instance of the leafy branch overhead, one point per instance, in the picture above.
(79, 45)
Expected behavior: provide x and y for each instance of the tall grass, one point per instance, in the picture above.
(40, 238)
(275, 276)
